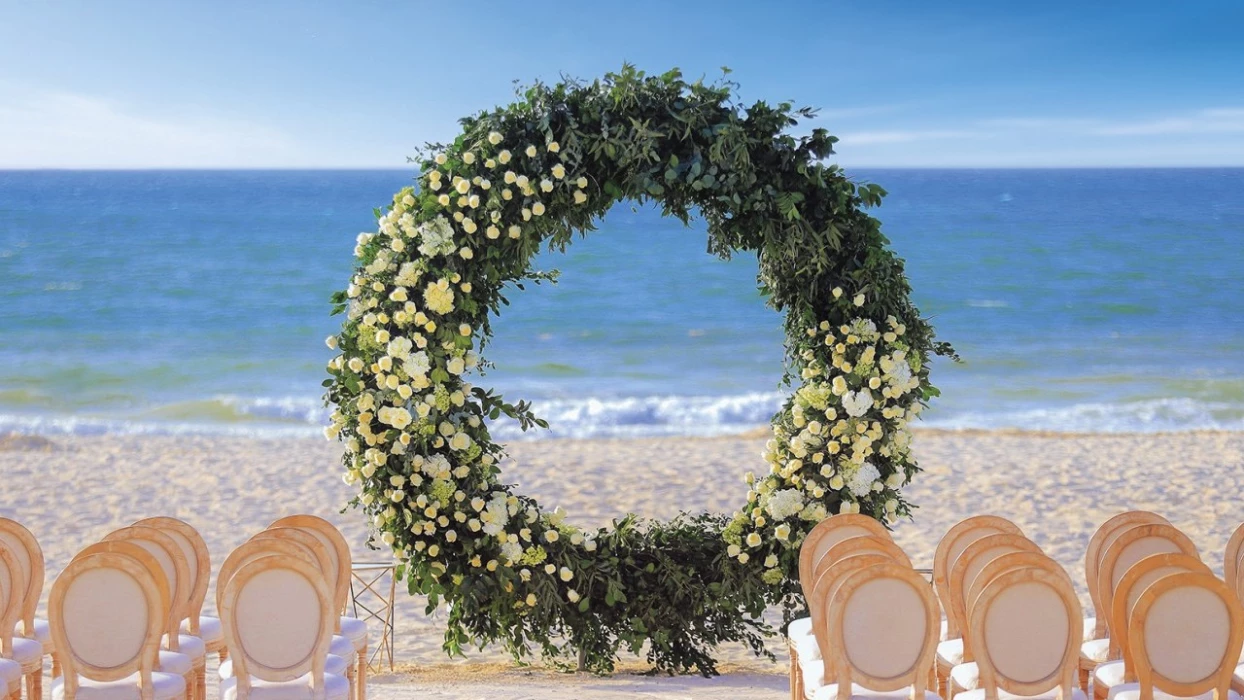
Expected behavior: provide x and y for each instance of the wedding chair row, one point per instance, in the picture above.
(100, 622)
(974, 566)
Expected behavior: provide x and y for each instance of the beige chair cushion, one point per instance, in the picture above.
(209, 629)
(813, 673)
(807, 648)
(1096, 650)
(10, 675)
(165, 686)
(950, 652)
(355, 629)
(173, 662)
(979, 694)
(27, 652)
(43, 633)
(1131, 691)
(966, 676)
(342, 646)
(335, 688)
(191, 646)
(799, 627)
(333, 664)
(1108, 675)
(830, 692)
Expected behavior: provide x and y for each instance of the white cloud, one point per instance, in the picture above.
(1205, 121)
(65, 130)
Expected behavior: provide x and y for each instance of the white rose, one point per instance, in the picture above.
(494, 137)
(456, 366)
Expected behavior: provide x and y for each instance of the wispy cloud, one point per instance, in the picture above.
(913, 135)
(1206, 121)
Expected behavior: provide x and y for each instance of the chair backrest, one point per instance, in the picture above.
(106, 618)
(1101, 539)
(1185, 636)
(969, 565)
(1233, 558)
(998, 566)
(1140, 576)
(1130, 546)
(1027, 627)
(337, 546)
(883, 629)
(952, 545)
(824, 592)
(306, 540)
(172, 562)
(12, 595)
(277, 617)
(257, 549)
(828, 533)
(198, 562)
(30, 561)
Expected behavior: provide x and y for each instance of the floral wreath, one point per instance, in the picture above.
(434, 273)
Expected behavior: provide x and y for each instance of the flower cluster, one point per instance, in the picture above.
(844, 439)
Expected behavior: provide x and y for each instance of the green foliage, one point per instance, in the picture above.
(515, 575)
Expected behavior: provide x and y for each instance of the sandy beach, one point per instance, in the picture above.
(72, 490)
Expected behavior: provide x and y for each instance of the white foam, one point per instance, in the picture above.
(1149, 416)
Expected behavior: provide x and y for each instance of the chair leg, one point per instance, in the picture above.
(224, 654)
(362, 675)
(34, 685)
(351, 676)
(796, 693)
(55, 666)
(201, 680)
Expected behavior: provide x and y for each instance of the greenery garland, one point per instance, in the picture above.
(418, 313)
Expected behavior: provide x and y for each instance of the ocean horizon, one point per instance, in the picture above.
(196, 301)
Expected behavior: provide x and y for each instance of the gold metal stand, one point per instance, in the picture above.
(368, 593)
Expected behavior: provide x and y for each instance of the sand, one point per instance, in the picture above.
(72, 490)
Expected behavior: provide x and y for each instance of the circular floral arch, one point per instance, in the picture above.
(419, 308)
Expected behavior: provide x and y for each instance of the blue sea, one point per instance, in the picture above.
(197, 302)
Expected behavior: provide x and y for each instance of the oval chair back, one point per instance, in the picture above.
(1027, 628)
(825, 592)
(12, 597)
(828, 533)
(277, 618)
(172, 562)
(951, 546)
(1140, 576)
(257, 549)
(106, 617)
(1101, 539)
(883, 628)
(198, 562)
(312, 544)
(1130, 546)
(1185, 635)
(29, 557)
(1000, 565)
(1233, 558)
(338, 549)
(969, 565)
(138, 554)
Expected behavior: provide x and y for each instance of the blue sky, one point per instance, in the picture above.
(229, 83)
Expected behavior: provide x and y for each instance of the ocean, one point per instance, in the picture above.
(197, 302)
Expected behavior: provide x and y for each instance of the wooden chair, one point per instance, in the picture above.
(292, 540)
(800, 640)
(1129, 546)
(181, 654)
(25, 547)
(106, 616)
(1140, 576)
(1026, 627)
(278, 615)
(882, 628)
(965, 675)
(844, 556)
(199, 566)
(24, 654)
(1184, 637)
(352, 628)
(1096, 645)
